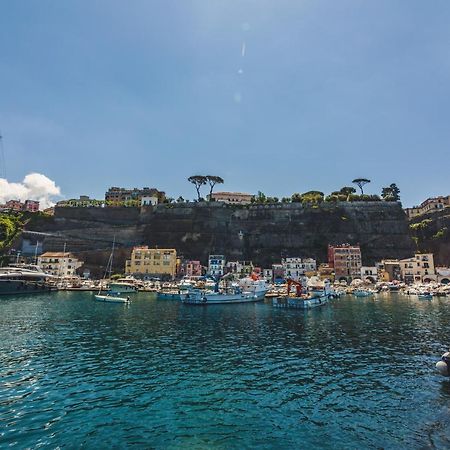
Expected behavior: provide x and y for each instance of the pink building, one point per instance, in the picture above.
(15, 205)
(193, 268)
(31, 205)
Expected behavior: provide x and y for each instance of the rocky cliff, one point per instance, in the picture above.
(262, 233)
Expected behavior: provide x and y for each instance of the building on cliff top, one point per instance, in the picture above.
(430, 205)
(152, 262)
(16, 205)
(234, 198)
(118, 195)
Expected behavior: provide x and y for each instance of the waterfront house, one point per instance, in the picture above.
(419, 268)
(297, 268)
(216, 265)
(60, 264)
(152, 262)
(346, 261)
(369, 273)
(239, 268)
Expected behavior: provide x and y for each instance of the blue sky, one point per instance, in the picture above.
(146, 93)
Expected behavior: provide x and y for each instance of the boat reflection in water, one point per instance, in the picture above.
(23, 279)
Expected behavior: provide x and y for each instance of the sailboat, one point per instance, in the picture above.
(110, 297)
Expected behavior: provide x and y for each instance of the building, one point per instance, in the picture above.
(369, 273)
(231, 197)
(239, 268)
(346, 261)
(296, 268)
(14, 205)
(419, 268)
(278, 273)
(191, 269)
(31, 206)
(430, 205)
(267, 274)
(59, 264)
(147, 200)
(152, 262)
(389, 270)
(326, 272)
(443, 275)
(117, 195)
(216, 265)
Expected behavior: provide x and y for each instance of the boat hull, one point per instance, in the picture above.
(110, 299)
(222, 299)
(299, 303)
(15, 287)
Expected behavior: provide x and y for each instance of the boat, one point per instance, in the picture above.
(125, 285)
(425, 295)
(363, 293)
(23, 279)
(111, 297)
(300, 300)
(247, 291)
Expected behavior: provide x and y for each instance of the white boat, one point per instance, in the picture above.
(362, 293)
(23, 279)
(111, 298)
(123, 286)
(248, 291)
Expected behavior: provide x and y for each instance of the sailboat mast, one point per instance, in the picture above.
(112, 256)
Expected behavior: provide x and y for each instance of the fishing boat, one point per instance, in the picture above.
(247, 291)
(301, 299)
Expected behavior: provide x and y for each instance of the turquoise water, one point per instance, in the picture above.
(358, 373)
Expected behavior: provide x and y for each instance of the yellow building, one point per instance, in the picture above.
(420, 268)
(157, 262)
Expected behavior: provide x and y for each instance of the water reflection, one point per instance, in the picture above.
(357, 373)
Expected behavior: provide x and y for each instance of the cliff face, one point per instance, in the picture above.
(432, 234)
(262, 233)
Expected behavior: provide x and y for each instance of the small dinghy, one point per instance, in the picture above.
(111, 298)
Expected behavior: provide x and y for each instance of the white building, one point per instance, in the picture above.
(59, 264)
(216, 265)
(296, 268)
(369, 273)
(149, 201)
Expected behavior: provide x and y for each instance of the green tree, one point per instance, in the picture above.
(360, 182)
(198, 181)
(212, 180)
(312, 197)
(391, 193)
(296, 198)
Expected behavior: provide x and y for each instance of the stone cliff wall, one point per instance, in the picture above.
(262, 233)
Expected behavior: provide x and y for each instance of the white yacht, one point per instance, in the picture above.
(23, 279)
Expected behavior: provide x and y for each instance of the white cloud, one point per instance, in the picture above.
(34, 186)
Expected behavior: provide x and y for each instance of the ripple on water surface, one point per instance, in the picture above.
(355, 374)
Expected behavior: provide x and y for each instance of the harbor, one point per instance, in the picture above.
(358, 373)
